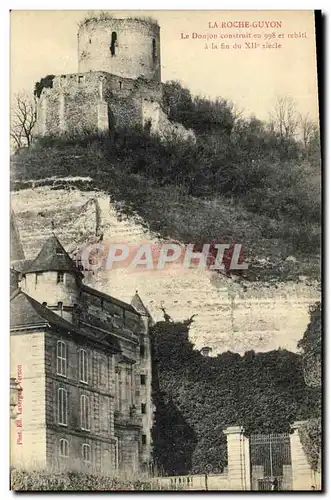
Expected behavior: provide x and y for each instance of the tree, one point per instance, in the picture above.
(311, 346)
(23, 120)
(310, 432)
(203, 115)
(309, 129)
(284, 118)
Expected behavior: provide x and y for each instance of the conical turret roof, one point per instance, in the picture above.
(139, 306)
(53, 257)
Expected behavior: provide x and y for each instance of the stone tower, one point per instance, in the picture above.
(53, 279)
(128, 48)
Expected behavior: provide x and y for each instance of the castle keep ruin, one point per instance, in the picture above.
(118, 82)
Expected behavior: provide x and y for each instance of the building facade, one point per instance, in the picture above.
(82, 361)
(118, 83)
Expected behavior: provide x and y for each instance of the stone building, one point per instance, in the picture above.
(82, 359)
(118, 82)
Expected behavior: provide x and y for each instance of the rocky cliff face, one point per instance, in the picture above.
(227, 317)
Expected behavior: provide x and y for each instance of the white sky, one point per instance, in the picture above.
(45, 42)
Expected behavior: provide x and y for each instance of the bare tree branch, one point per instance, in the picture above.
(284, 117)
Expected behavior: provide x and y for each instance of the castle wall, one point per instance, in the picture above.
(91, 102)
(161, 125)
(133, 53)
(118, 84)
(71, 105)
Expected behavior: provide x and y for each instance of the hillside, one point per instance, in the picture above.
(168, 211)
(263, 310)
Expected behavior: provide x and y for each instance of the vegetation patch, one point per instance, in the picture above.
(243, 181)
(197, 397)
(46, 480)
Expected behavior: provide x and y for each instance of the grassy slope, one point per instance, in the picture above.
(266, 241)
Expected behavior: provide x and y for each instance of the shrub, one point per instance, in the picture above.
(46, 82)
(45, 480)
(196, 397)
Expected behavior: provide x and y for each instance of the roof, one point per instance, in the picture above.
(16, 248)
(26, 312)
(21, 265)
(53, 257)
(102, 295)
(139, 306)
(13, 280)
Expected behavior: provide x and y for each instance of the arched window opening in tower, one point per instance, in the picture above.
(113, 43)
(154, 49)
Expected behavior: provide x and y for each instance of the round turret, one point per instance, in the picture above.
(124, 47)
(53, 279)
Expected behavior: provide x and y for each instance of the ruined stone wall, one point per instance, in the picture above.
(133, 53)
(70, 106)
(161, 125)
(126, 112)
(87, 102)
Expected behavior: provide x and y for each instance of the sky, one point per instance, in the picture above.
(45, 42)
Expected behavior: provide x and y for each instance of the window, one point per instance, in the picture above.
(80, 79)
(143, 408)
(113, 43)
(83, 366)
(38, 276)
(60, 277)
(143, 439)
(64, 448)
(154, 49)
(61, 361)
(59, 251)
(86, 452)
(62, 407)
(143, 379)
(60, 306)
(84, 413)
(120, 83)
(142, 351)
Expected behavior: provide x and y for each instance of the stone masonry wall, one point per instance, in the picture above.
(133, 49)
(74, 103)
(27, 351)
(101, 393)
